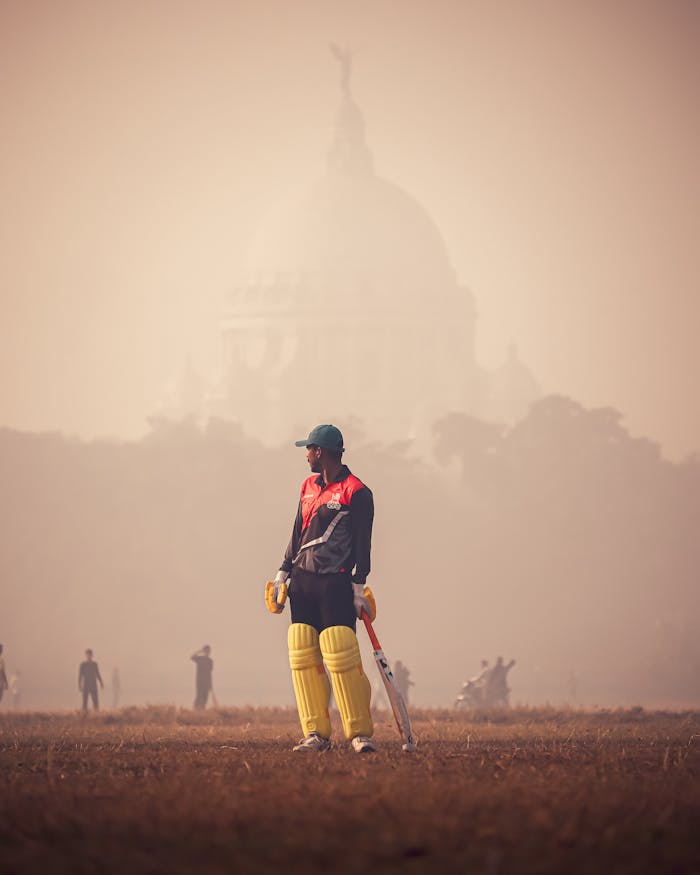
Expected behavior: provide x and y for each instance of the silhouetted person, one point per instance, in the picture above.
(484, 671)
(88, 676)
(116, 687)
(401, 679)
(473, 692)
(496, 691)
(480, 681)
(3, 676)
(14, 687)
(205, 667)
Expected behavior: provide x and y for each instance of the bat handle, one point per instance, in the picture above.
(370, 631)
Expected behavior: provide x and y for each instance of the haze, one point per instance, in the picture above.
(553, 144)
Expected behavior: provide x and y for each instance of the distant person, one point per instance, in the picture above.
(3, 676)
(14, 689)
(496, 692)
(380, 699)
(401, 679)
(203, 684)
(483, 672)
(481, 679)
(473, 689)
(116, 687)
(88, 676)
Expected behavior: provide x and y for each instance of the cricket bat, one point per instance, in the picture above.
(398, 706)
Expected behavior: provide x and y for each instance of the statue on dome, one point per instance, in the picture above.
(344, 58)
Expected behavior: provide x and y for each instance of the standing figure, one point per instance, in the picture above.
(88, 676)
(401, 679)
(328, 559)
(116, 687)
(496, 691)
(3, 675)
(205, 667)
(481, 680)
(15, 690)
(473, 692)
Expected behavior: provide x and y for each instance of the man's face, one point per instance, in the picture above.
(313, 457)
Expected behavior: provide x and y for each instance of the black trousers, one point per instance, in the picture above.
(92, 692)
(201, 697)
(322, 600)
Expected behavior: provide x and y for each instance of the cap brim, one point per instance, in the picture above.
(304, 443)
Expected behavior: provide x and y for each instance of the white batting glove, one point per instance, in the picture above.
(359, 600)
(280, 578)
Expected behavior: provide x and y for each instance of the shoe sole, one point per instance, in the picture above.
(366, 749)
(301, 748)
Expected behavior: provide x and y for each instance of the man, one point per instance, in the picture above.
(15, 690)
(481, 681)
(205, 667)
(402, 679)
(3, 674)
(328, 559)
(497, 691)
(88, 676)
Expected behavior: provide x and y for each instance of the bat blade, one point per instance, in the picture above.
(398, 706)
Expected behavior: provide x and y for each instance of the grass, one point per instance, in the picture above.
(167, 790)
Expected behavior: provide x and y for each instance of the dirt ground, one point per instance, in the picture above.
(164, 790)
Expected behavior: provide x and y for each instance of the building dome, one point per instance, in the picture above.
(355, 229)
(348, 306)
(350, 239)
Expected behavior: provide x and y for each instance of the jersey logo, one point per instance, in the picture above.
(334, 503)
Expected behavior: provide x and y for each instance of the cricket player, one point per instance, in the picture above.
(324, 572)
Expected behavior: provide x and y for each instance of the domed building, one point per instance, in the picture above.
(349, 309)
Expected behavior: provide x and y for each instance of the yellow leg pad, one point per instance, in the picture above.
(352, 689)
(311, 686)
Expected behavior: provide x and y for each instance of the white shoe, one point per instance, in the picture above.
(362, 744)
(313, 742)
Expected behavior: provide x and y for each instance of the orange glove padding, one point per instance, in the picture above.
(364, 601)
(275, 596)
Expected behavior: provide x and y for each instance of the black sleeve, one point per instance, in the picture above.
(293, 545)
(361, 518)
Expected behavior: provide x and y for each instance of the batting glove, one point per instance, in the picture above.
(276, 593)
(363, 599)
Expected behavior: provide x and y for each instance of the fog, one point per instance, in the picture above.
(554, 144)
(468, 236)
(561, 542)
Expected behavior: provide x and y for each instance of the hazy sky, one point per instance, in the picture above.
(554, 144)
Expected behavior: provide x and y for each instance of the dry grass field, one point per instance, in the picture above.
(164, 790)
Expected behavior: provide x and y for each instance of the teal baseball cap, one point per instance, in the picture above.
(327, 436)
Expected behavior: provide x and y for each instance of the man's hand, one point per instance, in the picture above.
(363, 598)
(276, 593)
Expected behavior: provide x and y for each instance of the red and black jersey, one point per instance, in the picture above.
(333, 528)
